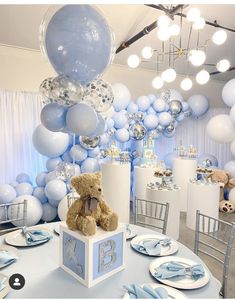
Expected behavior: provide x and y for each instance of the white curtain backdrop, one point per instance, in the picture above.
(19, 116)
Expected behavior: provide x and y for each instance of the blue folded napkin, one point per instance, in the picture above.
(135, 292)
(7, 258)
(152, 247)
(174, 269)
(2, 284)
(36, 236)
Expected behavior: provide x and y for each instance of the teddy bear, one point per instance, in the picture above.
(226, 206)
(90, 209)
(222, 177)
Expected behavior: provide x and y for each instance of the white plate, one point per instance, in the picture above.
(57, 227)
(181, 282)
(6, 290)
(130, 234)
(16, 238)
(172, 293)
(165, 250)
(11, 250)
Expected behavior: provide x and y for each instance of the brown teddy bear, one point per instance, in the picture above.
(222, 177)
(226, 206)
(90, 209)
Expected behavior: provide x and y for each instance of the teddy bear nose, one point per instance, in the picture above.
(99, 189)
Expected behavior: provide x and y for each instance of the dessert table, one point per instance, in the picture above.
(44, 279)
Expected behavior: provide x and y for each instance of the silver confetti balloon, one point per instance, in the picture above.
(45, 90)
(175, 107)
(170, 128)
(139, 116)
(111, 131)
(130, 117)
(99, 95)
(166, 95)
(89, 142)
(188, 113)
(103, 153)
(207, 163)
(137, 131)
(64, 171)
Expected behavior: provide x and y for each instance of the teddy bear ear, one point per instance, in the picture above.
(75, 181)
(98, 175)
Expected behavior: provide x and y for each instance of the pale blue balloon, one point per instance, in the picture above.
(7, 193)
(132, 108)
(49, 212)
(180, 117)
(50, 176)
(40, 194)
(143, 103)
(230, 168)
(104, 139)
(77, 169)
(169, 158)
(90, 165)
(13, 184)
(199, 105)
(120, 120)
(94, 152)
(52, 163)
(109, 123)
(100, 127)
(79, 43)
(159, 105)
(151, 111)
(40, 179)
(55, 190)
(122, 96)
(185, 106)
(53, 117)
(152, 98)
(81, 119)
(232, 114)
(122, 135)
(67, 157)
(203, 157)
(48, 143)
(78, 153)
(24, 189)
(151, 121)
(23, 178)
(165, 118)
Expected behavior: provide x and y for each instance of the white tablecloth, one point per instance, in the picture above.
(44, 279)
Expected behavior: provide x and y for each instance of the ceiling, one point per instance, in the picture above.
(19, 26)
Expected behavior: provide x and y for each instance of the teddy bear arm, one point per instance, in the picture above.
(73, 213)
(108, 222)
(105, 209)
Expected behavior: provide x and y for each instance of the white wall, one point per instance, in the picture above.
(24, 70)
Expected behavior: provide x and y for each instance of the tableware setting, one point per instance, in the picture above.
(27, 237)
(8, 255)
(154, 245)
(130, 232)
(4, 285)
(152, 290)
(179, 272)
(57, 227)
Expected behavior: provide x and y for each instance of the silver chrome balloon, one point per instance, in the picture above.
(89, 142)
(139, 116)
(170, 128)
(137, 131)
(159, 128)
(207, 163)
(175, 107)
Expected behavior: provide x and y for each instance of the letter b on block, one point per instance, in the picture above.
(107, 255)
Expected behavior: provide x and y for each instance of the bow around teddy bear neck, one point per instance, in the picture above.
(90, 204)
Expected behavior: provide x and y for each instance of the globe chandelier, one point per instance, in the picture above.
(170, 36)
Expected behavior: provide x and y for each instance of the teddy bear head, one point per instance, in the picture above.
(88, 184)
(219, 176)
(226, 206)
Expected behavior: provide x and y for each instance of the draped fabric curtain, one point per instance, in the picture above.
(20, 114)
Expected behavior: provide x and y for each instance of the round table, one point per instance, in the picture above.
(44, 279)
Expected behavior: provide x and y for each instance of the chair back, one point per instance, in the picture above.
(151, 214)
(13, 212)
(214, 238)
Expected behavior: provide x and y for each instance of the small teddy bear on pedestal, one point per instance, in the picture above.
(90, 209)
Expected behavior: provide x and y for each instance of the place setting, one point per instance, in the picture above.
(28, 237)
(4, 285)
(8, 255)
(154, 245)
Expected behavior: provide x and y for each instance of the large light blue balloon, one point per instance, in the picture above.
(165, 118)
(122, 135)
(120, 120)
(151, 121)
(199, 105)
(132, 108)
(169, 158)
(67, 157)
(79, 42)
(48, 143)
(40, 179)
(159, 105)
(7, 193)
(78, 153)
(94, 152)
(82, 119)
(100, 127)
(52, 163)
(55, 190)
(24, 189)
(23, 178)
(40, 194)
(50, 176)
(152, 98)
(143, 103)
(49, 212)
(53, 117)
(202, 159)
(151, 111)
(90, 165)
(122, 96)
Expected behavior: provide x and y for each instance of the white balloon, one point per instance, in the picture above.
(228, 93)
(122, 96)
(231, 196)
(220, 128)
(34, 210)
(232, 147)
(230, 168)
(232, 114)
(64, 206)
(49, 212)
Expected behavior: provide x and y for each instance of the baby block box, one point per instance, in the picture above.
(91, 259)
